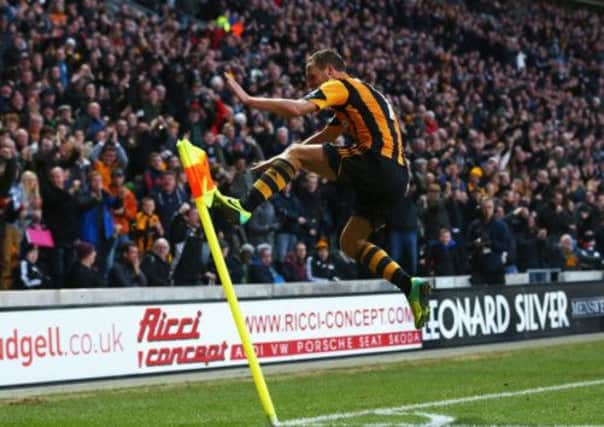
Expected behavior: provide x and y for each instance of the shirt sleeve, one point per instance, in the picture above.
(329, 94)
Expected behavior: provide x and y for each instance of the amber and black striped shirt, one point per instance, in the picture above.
(364, 113)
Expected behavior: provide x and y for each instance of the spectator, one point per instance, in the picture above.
(155, 265)
(589, 257)
(263, 270)
(154, 173)
(168, 199)
(290, 215)
(126, 272)
(96, 221)
(29, 275)
(434, 213)
(322, 266)
(82, 273)
(490, 244)
(60, 214)
(233, 264)
(246, 254)
(569, 259)
(23, 210)
(188, 243)
(294, 267)
(261, 226)
(402, 234)
(126, 214)
(147, 226)
(445, 256)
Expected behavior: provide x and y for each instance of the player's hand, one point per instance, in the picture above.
(236, 88)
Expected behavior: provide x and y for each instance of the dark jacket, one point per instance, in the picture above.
(288, 209)
(187, 243)
(320, 271)
(123, 275)
(293, 271)
(167, 205)
(447, 259)
(81, 276)
(259, 273)
(60, 215)
(404, 215)
(29, 276)
(156, 270)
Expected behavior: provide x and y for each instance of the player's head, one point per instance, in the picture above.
(323, 65)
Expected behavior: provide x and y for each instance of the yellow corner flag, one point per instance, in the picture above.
(197, 168)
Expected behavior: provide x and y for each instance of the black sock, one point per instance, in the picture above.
(379, 263)
(272, 180)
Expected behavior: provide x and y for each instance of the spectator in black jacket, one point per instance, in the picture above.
(322, 266)
(126, 272)
(155, 264)
(82, 273)
(445, 256)
(490, 244)
(29, 275)
(188, 243)
(61, 215)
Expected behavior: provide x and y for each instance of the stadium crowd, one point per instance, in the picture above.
(500, 104)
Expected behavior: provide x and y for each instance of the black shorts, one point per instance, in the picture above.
(379, 183)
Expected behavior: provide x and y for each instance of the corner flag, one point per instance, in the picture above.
(197, 168)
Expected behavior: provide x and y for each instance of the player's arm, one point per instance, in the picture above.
(328, 134)
(280, 106)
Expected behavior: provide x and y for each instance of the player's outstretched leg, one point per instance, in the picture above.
(354, 242)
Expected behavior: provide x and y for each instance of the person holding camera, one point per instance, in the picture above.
(490, 244)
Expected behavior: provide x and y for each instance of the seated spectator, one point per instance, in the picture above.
(263, 270)
(294, 267)
(246, 256)
(589, 257)
(322, 266)
(155, 264)
(569, 260)
(126, 272)
(232, 262)
(445, 256)
(82, 273)
(29, 275)
(147, 226)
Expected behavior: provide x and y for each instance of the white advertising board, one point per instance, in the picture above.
(66, 344)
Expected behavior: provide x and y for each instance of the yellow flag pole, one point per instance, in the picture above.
(225, 278)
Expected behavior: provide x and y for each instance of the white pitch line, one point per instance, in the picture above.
(448, 402)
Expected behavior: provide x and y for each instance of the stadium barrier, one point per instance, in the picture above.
(49, 337)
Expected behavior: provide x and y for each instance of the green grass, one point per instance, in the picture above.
(234, 402)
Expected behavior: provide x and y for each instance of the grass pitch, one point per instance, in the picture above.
(349, 392)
